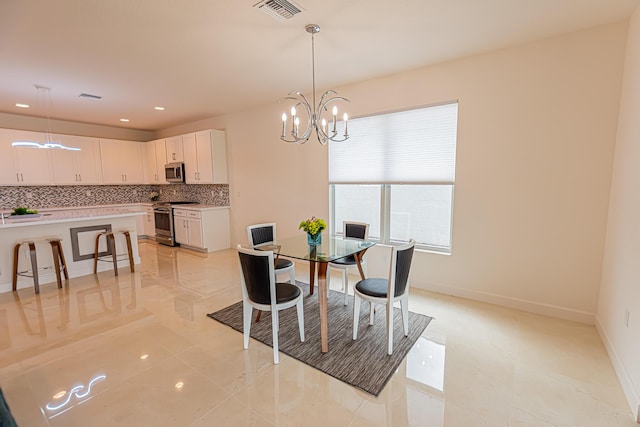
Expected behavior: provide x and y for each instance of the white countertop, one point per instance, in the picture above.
(198, 207)
(70, 215)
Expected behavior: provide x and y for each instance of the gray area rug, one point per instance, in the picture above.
(363, 363)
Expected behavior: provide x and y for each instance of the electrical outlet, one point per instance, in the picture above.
(213, 193)
(29, 195)
(626, 317)
(135, 192)
(88, 192)
(174, 192)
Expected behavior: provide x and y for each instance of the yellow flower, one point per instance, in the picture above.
(313, 225)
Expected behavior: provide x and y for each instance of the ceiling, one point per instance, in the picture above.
(200, 59)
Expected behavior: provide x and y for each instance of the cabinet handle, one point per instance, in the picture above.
(18, 177)
(21, 178)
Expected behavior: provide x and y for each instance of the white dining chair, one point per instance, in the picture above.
(260, 291)
(350, 230)
(387, 292)
(260, 234)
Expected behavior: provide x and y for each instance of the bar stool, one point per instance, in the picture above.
(113, 256)
(59, 263)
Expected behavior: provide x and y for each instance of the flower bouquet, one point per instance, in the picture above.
(313, 227)
(154, 195)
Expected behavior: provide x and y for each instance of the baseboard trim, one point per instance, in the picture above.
(623, 376)
(511, 302)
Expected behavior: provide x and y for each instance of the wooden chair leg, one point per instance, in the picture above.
(111, 242)
(127, 235)
(55, 251)
(95, 254)
(34, 266)
(16, 253)
(64, 261)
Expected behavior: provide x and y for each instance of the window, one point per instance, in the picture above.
(397, 173)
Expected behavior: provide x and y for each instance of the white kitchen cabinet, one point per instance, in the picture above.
(149, 227)
(7, 159)
(24, 165)
(180, 226)
(204, 230)
(156, 159)
(77, 167)
(205, 157)
(174, 149)
(121, 161)
(188, 228)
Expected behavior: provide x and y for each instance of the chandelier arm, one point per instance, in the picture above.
(324, 95)
(300, 139)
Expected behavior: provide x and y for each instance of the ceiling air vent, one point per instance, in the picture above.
(88, 95)
(279, 9)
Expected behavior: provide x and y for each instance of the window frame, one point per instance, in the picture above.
(385, 216)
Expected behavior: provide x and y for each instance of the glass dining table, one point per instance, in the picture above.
(331, 249)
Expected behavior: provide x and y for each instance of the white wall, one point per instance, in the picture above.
(620, 287)
(537, 128)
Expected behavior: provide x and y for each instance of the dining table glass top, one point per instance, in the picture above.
(331, 248)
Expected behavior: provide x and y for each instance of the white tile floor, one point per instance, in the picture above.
(138, 350)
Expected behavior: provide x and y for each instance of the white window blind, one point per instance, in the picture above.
(414, 146)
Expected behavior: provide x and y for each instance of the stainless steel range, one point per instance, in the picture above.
(163, 214)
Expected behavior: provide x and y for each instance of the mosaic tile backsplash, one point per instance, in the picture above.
(60, 196)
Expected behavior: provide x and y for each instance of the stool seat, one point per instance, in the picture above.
(113, 256)
(60, 264)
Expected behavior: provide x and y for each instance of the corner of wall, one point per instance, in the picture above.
(621, 372)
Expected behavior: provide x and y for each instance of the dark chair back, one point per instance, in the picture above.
(404, 255)
(256, 274)
(355, 230)
(262, 233)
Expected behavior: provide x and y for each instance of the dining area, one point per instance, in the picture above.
(325, 329)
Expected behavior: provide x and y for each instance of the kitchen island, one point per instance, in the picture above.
(76, 227)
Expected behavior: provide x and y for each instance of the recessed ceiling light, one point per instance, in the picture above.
(22, 105)
(159, 108)
(124, 120)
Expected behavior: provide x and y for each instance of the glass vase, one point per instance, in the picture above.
(314, 239)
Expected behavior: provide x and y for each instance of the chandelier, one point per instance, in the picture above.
(44, 98)
(325, 131)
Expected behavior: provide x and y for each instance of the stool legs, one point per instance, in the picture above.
(16, 253)
(58, 258)
(95, 254)
(111, 246)
(129, 250)
(111, 243)
(34, 266)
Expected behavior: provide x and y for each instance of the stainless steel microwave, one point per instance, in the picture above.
(174, 172)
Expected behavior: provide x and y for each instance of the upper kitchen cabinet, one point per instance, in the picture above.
(23, 165)
(156, 159)
(205, 157)
(175, 151)
(122, 161)
(78, 167)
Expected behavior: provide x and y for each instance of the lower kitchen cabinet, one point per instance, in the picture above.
(202, 229)
(149, 226)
